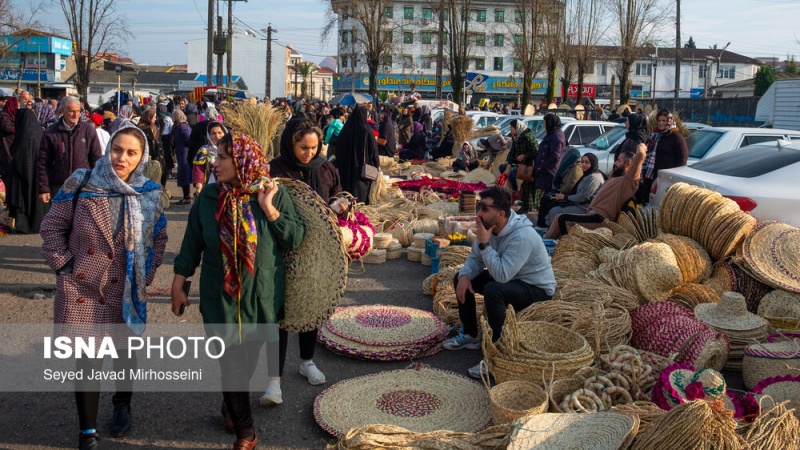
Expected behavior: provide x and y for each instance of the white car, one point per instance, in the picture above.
(604, 146)
(534, 123)
(762, 179)
(707, 142)
(580, 132)
(483, 119)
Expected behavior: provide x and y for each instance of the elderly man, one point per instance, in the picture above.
(25, 100)
(67, 145)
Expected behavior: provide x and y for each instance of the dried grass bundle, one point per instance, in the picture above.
(647, 412)
(389, 436)
(263, 123)
(776, 428)
(697, 425)
(462, 131)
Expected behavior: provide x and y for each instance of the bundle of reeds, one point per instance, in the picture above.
(263, 123)
(462, 131)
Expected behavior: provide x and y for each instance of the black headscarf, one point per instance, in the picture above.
(551, 122)
(356, 143)
(572, 154)
(309, 171)
(637, 128)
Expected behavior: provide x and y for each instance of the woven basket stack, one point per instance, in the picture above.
(534, 351)
(730, 317)
(779, 356)
(642, 224)
(467, 201)
(650, 270)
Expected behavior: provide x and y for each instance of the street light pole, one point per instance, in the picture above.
(38, 71)
(118, 69)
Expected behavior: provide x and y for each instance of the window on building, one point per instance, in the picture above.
(728, 72)
(702, 72)
(644, 69)
(480, 15)
(498, 63)
(343, 61)
(345, 36)
(427, 13)
(499, 40)
(499, 15)
(517, 16)
(480, 39)
(387, 61)
(480, 64)
(345, 13)
(408, 12)
(426, 62)
(408, 37)
(517, 65)
(425, 37)
(444, 38)
(602, 68)
(446, 14)
(517, 39)
(388, 12)
(389, 37)
(408, 62)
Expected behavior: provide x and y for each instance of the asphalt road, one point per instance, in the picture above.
(190, 420)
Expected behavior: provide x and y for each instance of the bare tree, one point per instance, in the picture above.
(528, 17)
(637, 21)
(552, 37)
(94, 27)
(457, 28)
(374, 35)
(20, 23)
(586, 22)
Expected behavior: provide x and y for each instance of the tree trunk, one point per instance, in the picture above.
(613, 102)
(82, 76)
(457, 83)
(525, 100)
(581, 75)
(22, 57)
(551, 82)
(624, 85)
(373, 81)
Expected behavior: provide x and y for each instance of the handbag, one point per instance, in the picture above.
(380, 141)
(368, 172)
(524, 172)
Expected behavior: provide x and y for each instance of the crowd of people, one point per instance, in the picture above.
(93, 183)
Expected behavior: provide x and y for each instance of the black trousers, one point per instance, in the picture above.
(87, 392)
(237, 365)
(308, 341)
(496, 297)
(546, 203)
(577, 218)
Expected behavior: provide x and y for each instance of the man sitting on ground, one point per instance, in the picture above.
(611, 197)
(509, 265)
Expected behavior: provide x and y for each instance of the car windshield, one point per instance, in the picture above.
(749, 162)
(699, 142)
(533, 124)
(604, 141)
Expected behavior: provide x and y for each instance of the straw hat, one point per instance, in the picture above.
(681, 383)
(772, 251)
(730, 313)
(781, 309)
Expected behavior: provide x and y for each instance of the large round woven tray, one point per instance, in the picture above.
(346, 347)
(772, 251)
(385, 325)
(601, 431)
(316, 271)
(420, 399)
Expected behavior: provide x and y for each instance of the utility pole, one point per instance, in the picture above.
(677, 49)
(38, 71)
(296, 69)
(220, 51)
(268, 82)
(210, 44)
(353, 62)
(439, 51)
(229, 46)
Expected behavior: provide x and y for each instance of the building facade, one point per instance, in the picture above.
(45, 61)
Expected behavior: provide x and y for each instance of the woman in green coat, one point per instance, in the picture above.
(240, 226)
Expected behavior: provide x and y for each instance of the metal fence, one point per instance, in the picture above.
(718, 112)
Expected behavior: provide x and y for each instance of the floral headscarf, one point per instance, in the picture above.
(237, 227)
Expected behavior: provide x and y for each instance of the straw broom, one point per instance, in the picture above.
(462, 131)
(263, 123)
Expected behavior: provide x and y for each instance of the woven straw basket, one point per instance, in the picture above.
(762, 361)
(514, 399)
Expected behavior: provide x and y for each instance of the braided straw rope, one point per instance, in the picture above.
(777, 428)
(647, 412)
(454, 255)
(371, 437)
(692, 425)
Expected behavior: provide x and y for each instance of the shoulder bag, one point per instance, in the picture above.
(368, 171)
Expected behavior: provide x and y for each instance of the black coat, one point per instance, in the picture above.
(64, 151)
(355, 147)
(327, 173)
(24, 203)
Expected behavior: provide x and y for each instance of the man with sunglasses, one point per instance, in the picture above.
(508, 265)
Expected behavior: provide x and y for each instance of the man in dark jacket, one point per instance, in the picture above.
(67, 145)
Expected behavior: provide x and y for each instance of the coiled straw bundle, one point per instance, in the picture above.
(691, 425)
(455, 255)
(777, 428)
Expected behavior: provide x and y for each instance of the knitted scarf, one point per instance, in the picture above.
(649, 165)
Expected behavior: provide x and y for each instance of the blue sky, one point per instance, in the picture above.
(160, 28)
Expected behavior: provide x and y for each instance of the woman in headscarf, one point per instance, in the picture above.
(666, 149)
(551, 149)
(124, 116)
(204, 158)
(387, 143)
(356, 147)
(467, 158)
(415, 148)
(181, 133)
(238, 229)
(523, 151)
(105, 247)
(567, 176)
(164, 123)
(637, 134)
(300, 159)
(191, 114)
(44, 114)
(579, 197)
(425, 119)
(22, 197)
(147, 123)
(8, 118)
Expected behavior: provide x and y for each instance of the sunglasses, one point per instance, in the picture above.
(480, 206)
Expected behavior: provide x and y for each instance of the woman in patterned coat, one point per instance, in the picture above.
(239, 228)
(105, 247)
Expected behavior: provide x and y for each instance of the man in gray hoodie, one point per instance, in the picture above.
(509, 265)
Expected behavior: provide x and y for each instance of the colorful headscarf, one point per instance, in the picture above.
(237, 227)
(143, 220)
(11, 107)
(44, 113)
(649, 165)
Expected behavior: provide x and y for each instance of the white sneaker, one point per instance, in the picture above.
(272, 396)
(309, 370)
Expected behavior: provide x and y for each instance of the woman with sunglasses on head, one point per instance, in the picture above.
(239, 228)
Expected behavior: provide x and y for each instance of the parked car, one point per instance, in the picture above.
(534, 123)
(580, 132)
(695, 125)
(483, 119)
(707, 142)
(762, 179)
(604, 146)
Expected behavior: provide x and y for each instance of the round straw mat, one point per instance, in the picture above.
(385, 325)
(346, 347)
(316, 271)
(420, 399)
(772, 251)
(601, 431)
